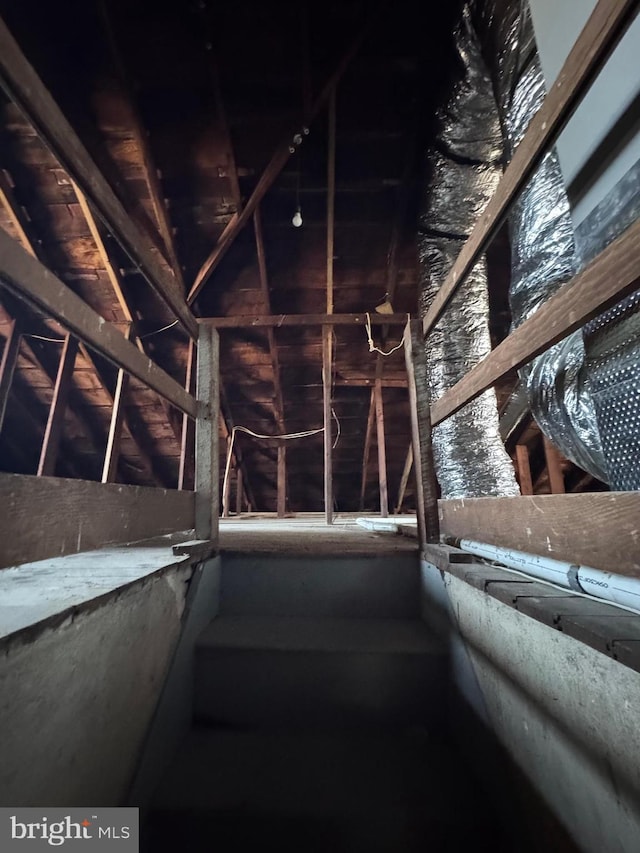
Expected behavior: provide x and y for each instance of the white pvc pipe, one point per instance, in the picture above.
(618, 589)
(555, 571)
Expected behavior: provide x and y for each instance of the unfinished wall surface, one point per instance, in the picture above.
(565, 713)
(76, 699)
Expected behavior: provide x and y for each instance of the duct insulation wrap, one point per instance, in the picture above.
(543, 259)
(464, 166)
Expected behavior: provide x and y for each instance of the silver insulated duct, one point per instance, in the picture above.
(464, 167)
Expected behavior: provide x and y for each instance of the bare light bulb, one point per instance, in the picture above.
(297, 219)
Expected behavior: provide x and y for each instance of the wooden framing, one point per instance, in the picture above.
(207, 456)
(55, 421)
(271, 172)
(277, 320)
(597, 529)
(327, 361)
(8, 366)
(424, 469)
(331, 197)
(186, 472)
(524, 469)
(51, 516)
(612, 275)
(554, 469)
(25, 88)
(404, 480)
(382, 451)
(30, 280)
(112, 453)
(599, 37)
(367, 446)
(282, 481)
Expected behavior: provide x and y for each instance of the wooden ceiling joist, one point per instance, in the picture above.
(240, 321)
(26, 89)
(8, 366)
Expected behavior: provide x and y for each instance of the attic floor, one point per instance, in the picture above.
(309, 534)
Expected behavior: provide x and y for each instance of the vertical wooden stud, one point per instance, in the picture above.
(207, 452)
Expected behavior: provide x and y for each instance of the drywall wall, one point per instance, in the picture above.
(564, 713)
(76, 698)
(602, 140)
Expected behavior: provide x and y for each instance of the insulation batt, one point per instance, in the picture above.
(464, 166)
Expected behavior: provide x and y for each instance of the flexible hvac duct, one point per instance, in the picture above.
(464, 170)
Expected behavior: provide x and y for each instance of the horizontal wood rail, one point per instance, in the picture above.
(26, 89)
(269, 321)
(600, 530)
(601, 33)
(31, 281)
(613, 274)
(34, 527)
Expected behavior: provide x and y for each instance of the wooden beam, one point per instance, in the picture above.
(424, 467)
(367, 446)
(141, 139)
(239, 488)
(16, 214)
(207, 507)
(331, 197)
(251, 321)
(406, 471)
(601, 33)
(55, 421)
(597, 529)
(113, 276)
(327, 367)
(112, 452)
(226, 485)
(282, 480)
(30, 280)
(554, 469)
(25, 88)
(524, 469)
(187, 444)
(8, 366)
(612, 275)
(273, 169)
(76, 515)
(382, 452)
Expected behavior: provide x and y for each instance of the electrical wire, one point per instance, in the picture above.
(373, 347)
(157, 331)
(286, 437)
(42, 338)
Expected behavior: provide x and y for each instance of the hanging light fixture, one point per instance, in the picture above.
(297, 216)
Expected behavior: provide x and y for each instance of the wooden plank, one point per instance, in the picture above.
(612, 275)
(25, 88)
(226, 486)
(16, 214)
(554, 469)
(327, 334)
(27, 278)
(406, 471)
(274, 167)
(598, 529)
(331, 196)
(207, 462)
(112, 275)
(601, 33)
(367, 446)
(58, 408)
(251, 321)
(50, 516)
(524, 469)
(382, 452)
(282, 480)
(187, 443)
(112, 453)
(239, 488)
(8, 366)
(424, 468)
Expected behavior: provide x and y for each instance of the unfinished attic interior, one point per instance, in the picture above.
(320, 423)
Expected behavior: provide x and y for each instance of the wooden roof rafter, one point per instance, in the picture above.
(26, 89)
